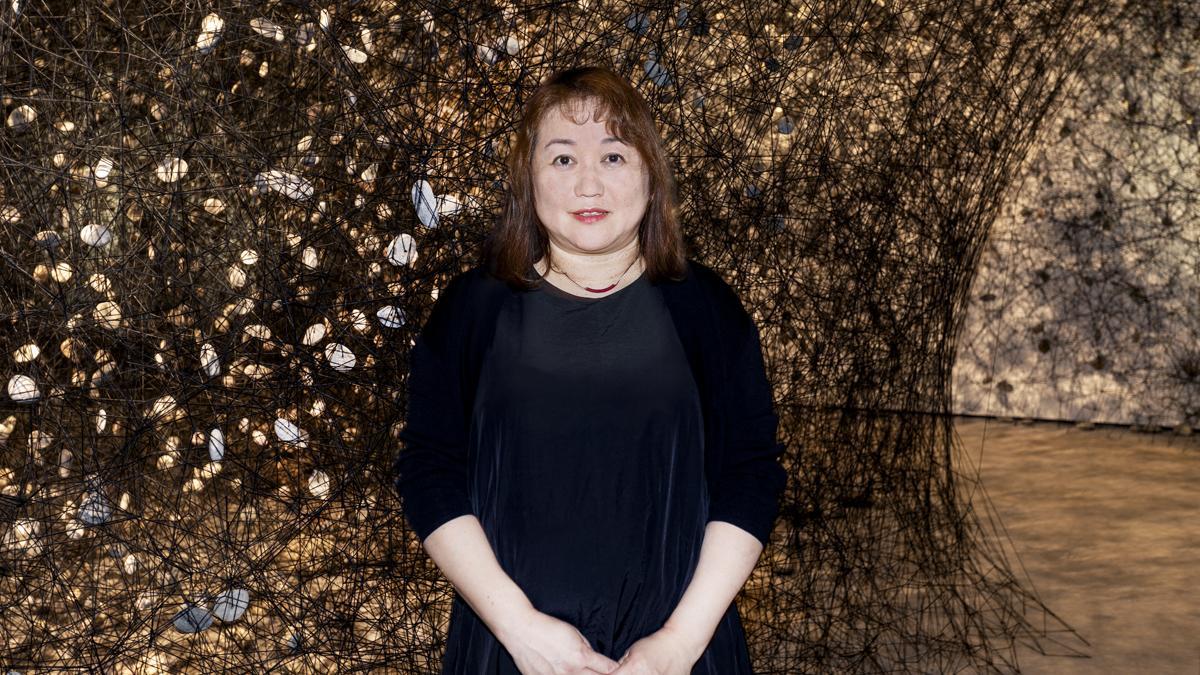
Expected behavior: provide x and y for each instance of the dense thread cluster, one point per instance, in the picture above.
(223, 224)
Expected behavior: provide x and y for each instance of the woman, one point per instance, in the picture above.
(589, 455)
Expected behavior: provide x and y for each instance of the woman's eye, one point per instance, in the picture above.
(613, 154)
(560, 157)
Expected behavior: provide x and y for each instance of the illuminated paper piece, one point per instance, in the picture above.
(22, 389)
(402, 250)
(232, 604)
(193, 619)
(96, 235)
(426, 203)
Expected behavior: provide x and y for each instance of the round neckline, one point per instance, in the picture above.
(560, 293)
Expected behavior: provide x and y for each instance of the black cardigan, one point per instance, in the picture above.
(742, 465)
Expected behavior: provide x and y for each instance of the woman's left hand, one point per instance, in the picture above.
(663, 652)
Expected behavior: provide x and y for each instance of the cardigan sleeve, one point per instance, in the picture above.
(430, 469)
(746, 491)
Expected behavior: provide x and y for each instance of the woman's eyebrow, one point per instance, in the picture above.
(567, 141)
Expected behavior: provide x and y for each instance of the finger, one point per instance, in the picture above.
(601, 663)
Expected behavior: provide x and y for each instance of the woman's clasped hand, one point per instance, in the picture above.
(545, 645)
(548, 646)
(663, 652)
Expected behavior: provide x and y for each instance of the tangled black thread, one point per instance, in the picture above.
(839, 163)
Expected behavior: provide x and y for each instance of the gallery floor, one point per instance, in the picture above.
(1106, 524)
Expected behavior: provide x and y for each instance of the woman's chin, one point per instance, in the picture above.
(593, 241)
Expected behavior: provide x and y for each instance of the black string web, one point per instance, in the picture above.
(1086, 303)
(225, 222)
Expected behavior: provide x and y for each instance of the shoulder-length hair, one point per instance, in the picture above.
(519, 239)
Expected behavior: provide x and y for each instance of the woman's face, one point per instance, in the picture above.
(579, 167)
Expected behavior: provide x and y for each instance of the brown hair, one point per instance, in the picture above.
(519, 239)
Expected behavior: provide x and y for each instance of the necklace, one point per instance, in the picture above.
(598, 290)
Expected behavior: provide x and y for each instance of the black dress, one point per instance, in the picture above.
(586, 461)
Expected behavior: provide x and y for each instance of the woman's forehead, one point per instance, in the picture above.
(578, 119)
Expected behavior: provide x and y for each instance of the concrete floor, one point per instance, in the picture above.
(1106, 524)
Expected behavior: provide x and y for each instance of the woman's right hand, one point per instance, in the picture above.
(544, 645)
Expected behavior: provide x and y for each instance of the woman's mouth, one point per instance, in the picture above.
(589, 215)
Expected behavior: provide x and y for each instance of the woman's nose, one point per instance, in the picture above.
(587, 183)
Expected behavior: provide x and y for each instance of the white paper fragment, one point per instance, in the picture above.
(24, 536)
(258, 331)
(171, 169)
(96, 235)
(40, 440)
(309, 258)
(216, 445)
(210, 33)
(22, 389)
(214, 206)
(163, 406)
(426, 20)
(355, 55)
(425, 202)
(314, 334)
(266, 28)
(61, 272)
(358, 321)
(193, 619)
(237, 276)
(287, 184)
(402, 250)
(305, 33)
(291, 434)
(209, 360)
(510, 44)
(26, 353)
(638, 22)
(95, 509)
(390, 316)
(103, 168)
(488, 55)
(448, 205)
(47, 239)
(249, 256)
(340, 357)
(21, 117)
(318, 484)
(232, 604)
(208, 471)
(99, 283)
(657, 74)
(324, 19)
(107, 314)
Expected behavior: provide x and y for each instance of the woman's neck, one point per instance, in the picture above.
(575, 273)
